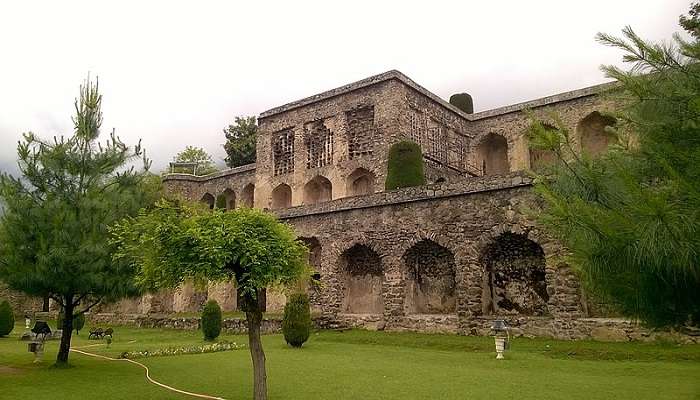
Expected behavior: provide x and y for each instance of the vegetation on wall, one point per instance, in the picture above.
(296, 323)
(241, 140)
(405, 166)
(463, 101)
(53, 234)
(630, 217)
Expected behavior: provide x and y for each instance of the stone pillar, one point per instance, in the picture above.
(393, 289)
(224, 293)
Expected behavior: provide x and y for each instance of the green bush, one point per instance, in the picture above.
(296, 324)
(78, 322)
(221, 202)
(59, 320)
(405, 166)
(211, 320)
(7, 319)
(463, 101)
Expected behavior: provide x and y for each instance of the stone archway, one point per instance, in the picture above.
(360, 182)
(318, 190)
(362, 274)
(230, 197)
(248, 196)
(514, 281)
(430, 283)
(208, 199)
(592, 133)
(281, 196)
(492, 155)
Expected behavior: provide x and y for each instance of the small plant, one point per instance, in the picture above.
(7, 319)
(211, 320)
(78, 322)
(296, 324)
(405, 166)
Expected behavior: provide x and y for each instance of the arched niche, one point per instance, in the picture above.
(281, 196)
(492, 155)
(318, 190)
(208, 199)
(514, 282)
(230, 197)
(248, 195)
(361, 276)
(360, 182)
(430, 283)
(592, 133)
(540, 159)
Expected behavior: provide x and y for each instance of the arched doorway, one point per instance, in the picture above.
(317, 190)
(248, 196)
(208, 199)
(230, 197)
(362, 275)
(492, 155)
(360, 182)
(430, 283)
(281, 196)
(592, 133)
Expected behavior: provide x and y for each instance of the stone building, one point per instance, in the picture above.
(449, 256)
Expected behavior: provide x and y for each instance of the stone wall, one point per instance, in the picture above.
(20, 302)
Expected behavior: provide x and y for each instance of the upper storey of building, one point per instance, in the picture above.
(335, 144)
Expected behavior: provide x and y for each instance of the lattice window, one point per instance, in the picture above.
(360, 131)
(417, 129)
(318, 140)
(283, 152)
(436, 143)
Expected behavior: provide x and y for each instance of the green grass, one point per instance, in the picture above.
(363, 365)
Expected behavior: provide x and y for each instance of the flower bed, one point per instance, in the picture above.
(176, 351)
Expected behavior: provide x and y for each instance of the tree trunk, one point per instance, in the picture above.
(64, 349)
(254, 319)
(45, 305)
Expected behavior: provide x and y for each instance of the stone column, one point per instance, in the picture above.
(393, 289)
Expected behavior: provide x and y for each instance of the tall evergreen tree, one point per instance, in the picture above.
(53, 234)
(630, 217)
(241, 140)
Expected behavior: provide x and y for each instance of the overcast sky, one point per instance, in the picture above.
(175, 73)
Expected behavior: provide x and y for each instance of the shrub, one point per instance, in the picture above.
(79, 322)
(296, 325)
(405, 166)
(463, 101)
(221, 202)
(7, 319)
(211, 320)
(59, 320)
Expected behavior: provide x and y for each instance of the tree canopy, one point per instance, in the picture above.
(630, 216)
(202, 159)
(53, 233)
(241, 140)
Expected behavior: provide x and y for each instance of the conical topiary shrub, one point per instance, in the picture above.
(404, 166)
(78, 322)
(296, 325)
(211, 320)
(7, 319)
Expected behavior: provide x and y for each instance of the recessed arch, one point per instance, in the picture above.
(540, 159)
(592, 133)
(230, 197)
(492, 155)
(248, 195)
(281, 196)
(318, 190)
(362, 275)
(208, 199)
(360, 182)
(514, 279)
(430, 283)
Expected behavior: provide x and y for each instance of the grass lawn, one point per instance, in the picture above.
(361, 365)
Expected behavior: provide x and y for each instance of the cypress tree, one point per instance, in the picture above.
(296, 324)
(405, 166)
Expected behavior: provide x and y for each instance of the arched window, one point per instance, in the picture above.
(592, 133)
(318, 190)
(492, 155)
(248, 196)
(281, 197)
(360, 182)
(208, 199)
(430, 287)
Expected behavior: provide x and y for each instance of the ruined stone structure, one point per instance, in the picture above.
(450, 256)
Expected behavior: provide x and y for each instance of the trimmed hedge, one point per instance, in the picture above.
(463, 101)
(7, 319)
(211, 320)
(296, 324)
(405, 166)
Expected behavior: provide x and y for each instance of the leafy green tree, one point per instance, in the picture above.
(404, 166)
(175, 242)
(296, 324)
(202, 159)
(630, 217)
(241, 139)
(211, 320)
(53, 234)
(7, 318)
